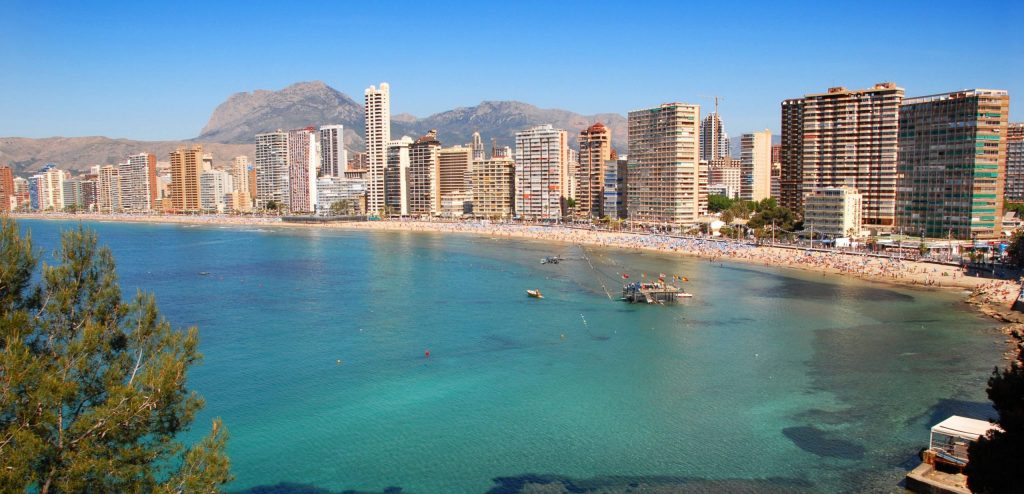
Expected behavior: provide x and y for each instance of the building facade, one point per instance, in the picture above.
(595, 150)
(756, 163)
(714, 141)
(424, 176)
(8, 200)
(186, 166)
(664, 171)
(272, 169)
(616, 182)
(542, 155)
(396, 176)
(214, 186)
(492, 182)
(454, 172)
(843, 138)
(1014, 190)
(333, 157)
(726, 175)
(303, 161)
(138, 179)
(833, 212)
(108, 189)
(377, 136)
(350, 192)
(952, 164)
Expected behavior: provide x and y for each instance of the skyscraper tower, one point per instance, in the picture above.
(378, 135)
(595, 149)
(664, 172)
(542, 158)
(333, 157)
(186, 166)
(271, 169)
(843, 138)
(714, 142)
(952, 164)
(303, 155)
(478, 147)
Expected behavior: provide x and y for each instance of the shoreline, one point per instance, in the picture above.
(992, 298)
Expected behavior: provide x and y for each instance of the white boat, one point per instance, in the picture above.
(534, 293)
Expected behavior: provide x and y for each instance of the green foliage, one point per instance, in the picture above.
(717, 203)
(343, 207)
(995, 459)
(273, 205)
(767, 213)
(92, 387)
(1014, 206)
(1015, 251)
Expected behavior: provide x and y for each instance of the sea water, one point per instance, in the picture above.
(767, 380)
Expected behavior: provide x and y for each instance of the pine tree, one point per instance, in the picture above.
(996, 459)
(92, 387)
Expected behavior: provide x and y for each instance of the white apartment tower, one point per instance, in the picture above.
(714, 141)
(333, 157)
(378, 135)
(396, 176)
(272, 169)
(135, 183)
(542, 155)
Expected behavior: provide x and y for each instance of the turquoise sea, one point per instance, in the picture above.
(768, 380)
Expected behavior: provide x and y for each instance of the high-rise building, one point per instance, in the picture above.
(378, 135)
(454, 172)
(396, 176)
(492, 183)
(664, 171)
(74, 194)
(272, 169)
(756, 162)
(21, 193)
(714, 141)
(952, 164)
(776, 170)
(108, 190)
(478, 147)
(572, 169)
(303, 156)
(424, 175)
(726, 175)
(542, 155)
(214, 186)
(616, 173)
(137, 175)
(333, 157)
(186, 165)
(7, 195)
(1014, 163)
(595, 150)
(240, 180)
(843, 138)
(349, 192)
(49, 189)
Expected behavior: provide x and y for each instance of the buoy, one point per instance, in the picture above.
(427, 353)
(338, 362)
(563, 336)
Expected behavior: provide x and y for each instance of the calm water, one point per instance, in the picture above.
(768, 380)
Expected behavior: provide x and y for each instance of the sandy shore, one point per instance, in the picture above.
(904, 272)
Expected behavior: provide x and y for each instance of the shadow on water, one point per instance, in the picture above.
(797, 288)
(944, 408)
(615, 484)
(294, 488)
(819, 442)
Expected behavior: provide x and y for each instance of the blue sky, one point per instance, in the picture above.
(155, 70)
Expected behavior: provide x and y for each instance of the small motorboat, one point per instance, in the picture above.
(684, 295)
(534, 293)
(550, 260)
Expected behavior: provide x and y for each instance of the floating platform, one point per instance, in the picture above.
(651, 293)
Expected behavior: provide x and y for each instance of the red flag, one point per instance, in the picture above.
(625, 276)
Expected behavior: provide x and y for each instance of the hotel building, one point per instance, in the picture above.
(664, 170)
(843, 138)
(1014, 163)
(952, 164)
(454, 172)
(714, 142)
(756, 163)
(378, 135)
(595, 150)
(138, 182)
(333, 157)
(186, 165)
(396, 176)
(303, 159)
(833, 212)
(492, 183)
(424, 175)
(272, 169)
(542, 155)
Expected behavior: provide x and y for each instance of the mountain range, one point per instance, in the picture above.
(232, 127)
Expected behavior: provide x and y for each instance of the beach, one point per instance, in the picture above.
(1000, 293)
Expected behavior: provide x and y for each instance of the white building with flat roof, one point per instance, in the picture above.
(833, 211)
